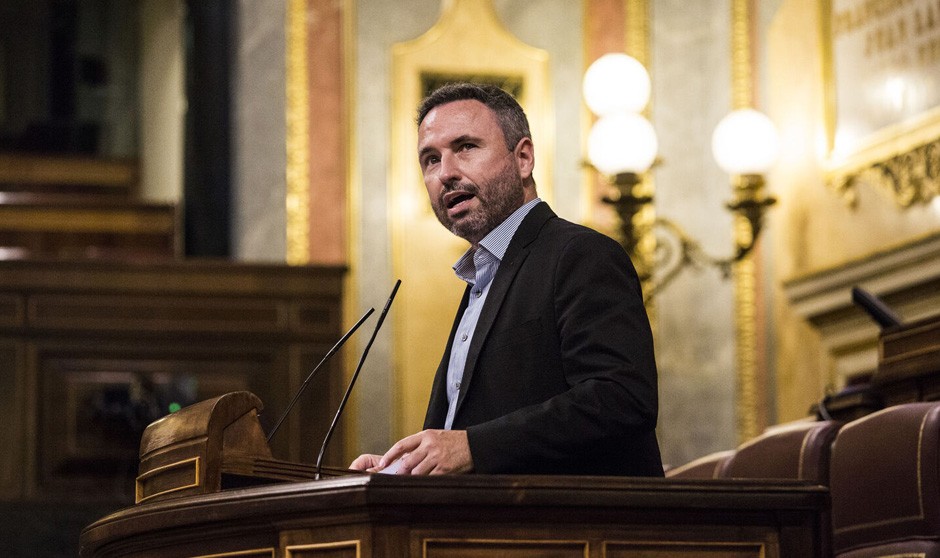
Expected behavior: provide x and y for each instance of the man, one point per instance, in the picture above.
(549, 367)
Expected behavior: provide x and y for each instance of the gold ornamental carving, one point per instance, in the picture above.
(909, 178)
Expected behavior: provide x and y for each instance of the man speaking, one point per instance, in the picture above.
(549, 367)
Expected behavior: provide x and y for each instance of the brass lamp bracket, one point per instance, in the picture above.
(678, 249)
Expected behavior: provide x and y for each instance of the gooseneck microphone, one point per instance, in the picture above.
(310, 376)
(352, 381)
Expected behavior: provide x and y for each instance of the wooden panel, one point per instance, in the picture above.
(457, 548)
(86, 226)
(256, 553)
(912, 350)
(129, 218)
(97, 350)
(666, 549)
(342, 549)
(139, 313)
(12, 309)
(12, 408)
(67, 173)
(344, 539)
(316, 316)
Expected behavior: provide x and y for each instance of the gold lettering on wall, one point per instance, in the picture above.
(883, 69)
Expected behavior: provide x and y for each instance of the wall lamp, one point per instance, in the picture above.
(622, 146)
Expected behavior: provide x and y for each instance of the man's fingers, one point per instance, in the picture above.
(400, 448)
(364, 462)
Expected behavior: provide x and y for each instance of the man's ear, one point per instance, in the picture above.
(524, 154)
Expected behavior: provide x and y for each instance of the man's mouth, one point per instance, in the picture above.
(455, 200)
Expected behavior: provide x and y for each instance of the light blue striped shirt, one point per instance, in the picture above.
(477, 268)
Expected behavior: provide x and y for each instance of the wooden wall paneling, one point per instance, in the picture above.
(97, 350)
(12, 408)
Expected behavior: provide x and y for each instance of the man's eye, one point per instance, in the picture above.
(428, 161)
(466, 146)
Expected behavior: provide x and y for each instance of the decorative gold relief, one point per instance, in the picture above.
(298, 129)
(467, 42)
(907, 178)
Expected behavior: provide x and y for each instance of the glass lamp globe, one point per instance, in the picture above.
(745, 142)
(622, 142)
(616, 82)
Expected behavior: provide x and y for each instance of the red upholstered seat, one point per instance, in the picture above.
(797, 450)
(885, 484)
(707, 467)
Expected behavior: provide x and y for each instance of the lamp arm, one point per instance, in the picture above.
(629, 198)
(691, 251)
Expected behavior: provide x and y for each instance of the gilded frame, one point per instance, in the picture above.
(900, 158)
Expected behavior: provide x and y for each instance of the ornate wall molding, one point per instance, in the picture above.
(906, 277)
(908, 178)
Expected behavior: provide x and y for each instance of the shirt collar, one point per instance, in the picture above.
(496, 242)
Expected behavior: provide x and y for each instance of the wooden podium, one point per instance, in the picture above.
(373, 516)
(908, 371)
(909, 362)
(184, 509)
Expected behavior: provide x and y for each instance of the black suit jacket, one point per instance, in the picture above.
(560, 376)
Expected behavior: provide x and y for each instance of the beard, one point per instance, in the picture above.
(503, 194)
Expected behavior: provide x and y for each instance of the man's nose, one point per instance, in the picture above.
(449, 169)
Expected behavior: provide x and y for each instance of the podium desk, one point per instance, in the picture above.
(386, 516)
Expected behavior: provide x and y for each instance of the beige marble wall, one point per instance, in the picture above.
(690, 70)
(259, 131)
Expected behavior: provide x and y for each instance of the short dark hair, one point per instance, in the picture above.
(509, 114)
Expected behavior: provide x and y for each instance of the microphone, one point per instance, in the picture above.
(875, 308)
(326, 357)
(352, 381)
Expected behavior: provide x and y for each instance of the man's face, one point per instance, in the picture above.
(473, 180)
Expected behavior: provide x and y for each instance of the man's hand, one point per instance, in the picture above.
(366, 462)
(430, 452)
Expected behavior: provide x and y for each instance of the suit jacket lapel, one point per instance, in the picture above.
(512, 261)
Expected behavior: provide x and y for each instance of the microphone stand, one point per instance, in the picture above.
(314, 371)
(352, 381)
